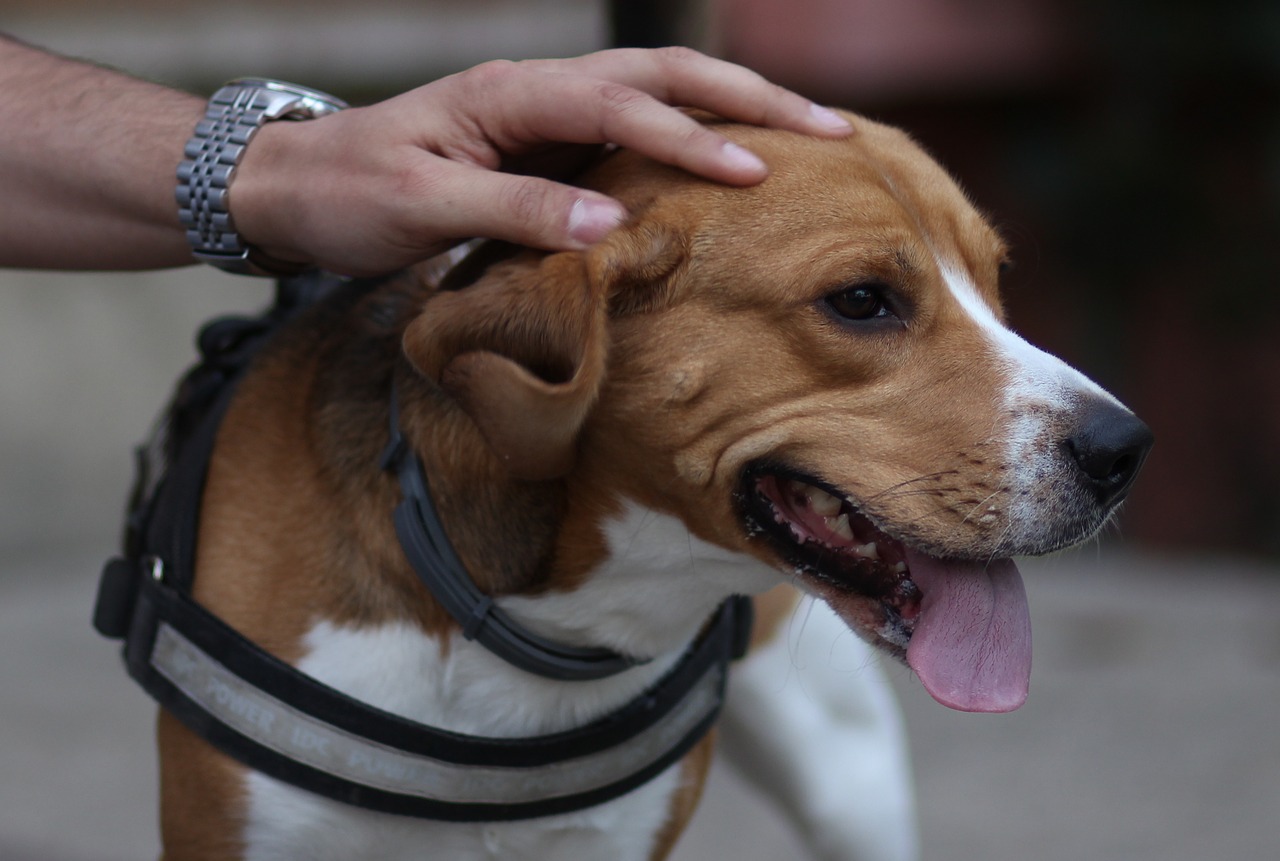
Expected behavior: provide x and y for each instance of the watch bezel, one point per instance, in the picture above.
(305, 102)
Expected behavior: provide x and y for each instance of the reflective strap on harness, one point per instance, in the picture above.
(283, 723)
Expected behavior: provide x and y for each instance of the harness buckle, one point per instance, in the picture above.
(117, 593)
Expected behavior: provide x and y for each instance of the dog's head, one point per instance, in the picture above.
(814, 371)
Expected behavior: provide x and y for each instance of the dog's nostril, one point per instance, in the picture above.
(1109, 447)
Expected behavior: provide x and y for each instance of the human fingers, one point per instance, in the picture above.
(514, 108)
(387, 205)
(416, 171)
(684, 77)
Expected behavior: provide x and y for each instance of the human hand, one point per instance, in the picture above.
(371, 190)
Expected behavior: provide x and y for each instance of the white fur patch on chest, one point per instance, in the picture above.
(657, 587)
(652, 595)
(286, 824)
(399, 669)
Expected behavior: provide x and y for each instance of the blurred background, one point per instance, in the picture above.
(1130, 152)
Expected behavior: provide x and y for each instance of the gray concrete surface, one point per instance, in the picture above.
(1150, 732)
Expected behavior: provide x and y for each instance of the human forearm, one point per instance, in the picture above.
(87, 165)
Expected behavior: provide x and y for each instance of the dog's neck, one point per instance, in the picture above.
(504, 530)
(576, 563)
(580, 565)
(652, 591)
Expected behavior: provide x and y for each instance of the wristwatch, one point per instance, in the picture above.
(235, 113)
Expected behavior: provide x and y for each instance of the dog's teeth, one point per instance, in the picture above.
(867, 551)
(824, 503)
(900, 568)
(840, 526)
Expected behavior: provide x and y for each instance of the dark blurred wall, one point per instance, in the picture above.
(1130, 150)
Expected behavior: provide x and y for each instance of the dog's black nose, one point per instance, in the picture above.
(1109, 445)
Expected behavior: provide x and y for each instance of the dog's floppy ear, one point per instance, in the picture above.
(523, 349)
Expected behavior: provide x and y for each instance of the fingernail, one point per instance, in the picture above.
(590, 220)
(829, 119)
(740, 158)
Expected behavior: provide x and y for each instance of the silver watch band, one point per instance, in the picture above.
(234, 115)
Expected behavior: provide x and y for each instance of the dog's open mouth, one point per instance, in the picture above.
(825, 538)
(962, 625)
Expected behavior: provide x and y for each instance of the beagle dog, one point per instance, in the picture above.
(805, 385)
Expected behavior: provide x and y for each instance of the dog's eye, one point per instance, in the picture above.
(863, 302)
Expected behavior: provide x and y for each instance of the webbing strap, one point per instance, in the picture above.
(283, 723)
(437, 565)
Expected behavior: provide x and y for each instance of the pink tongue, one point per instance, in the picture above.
(971, 646)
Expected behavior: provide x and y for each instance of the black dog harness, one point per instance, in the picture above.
(274, 719)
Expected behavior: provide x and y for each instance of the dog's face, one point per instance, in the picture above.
(816, 372)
